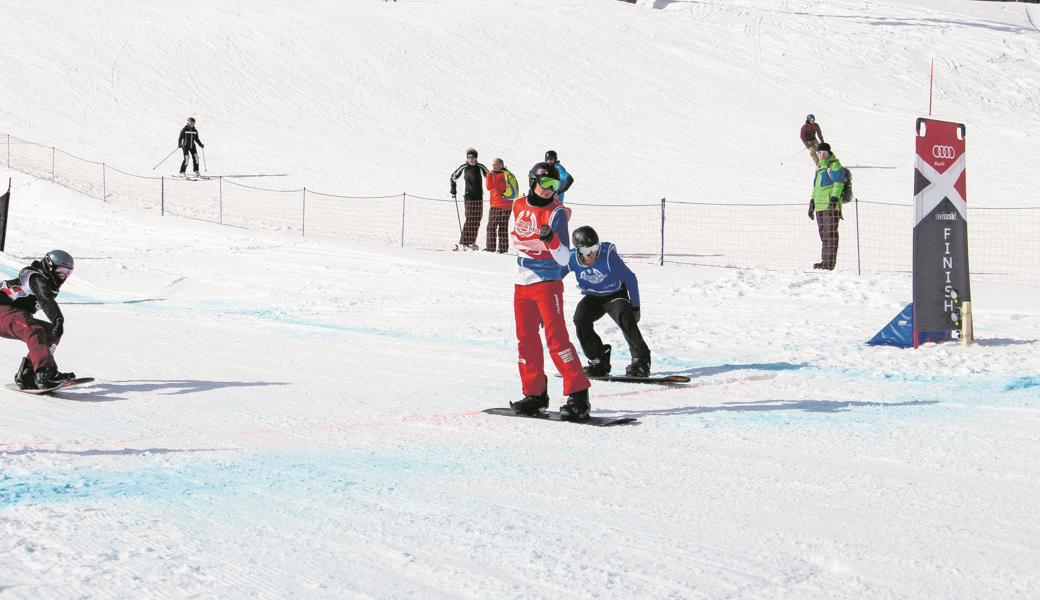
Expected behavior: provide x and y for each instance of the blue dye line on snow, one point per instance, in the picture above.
(259, 476)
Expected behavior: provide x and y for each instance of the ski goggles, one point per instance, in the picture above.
(62, 272)
(547, 182)
(588, 250)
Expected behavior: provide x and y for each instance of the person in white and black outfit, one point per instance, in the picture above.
(186, 140)
(473, 173)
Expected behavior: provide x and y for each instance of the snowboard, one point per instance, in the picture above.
(555, 416)
(69, 383)
(658, 379)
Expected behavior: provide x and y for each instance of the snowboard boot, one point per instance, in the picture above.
(49, 377)
(600, 366)
(530, 405)
(577, 407)
(25, 378)
(638, 368)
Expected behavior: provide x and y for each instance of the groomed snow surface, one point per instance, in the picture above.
(283, 416)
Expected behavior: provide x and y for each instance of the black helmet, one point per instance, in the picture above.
(584, 237)
(57, 265)
(810, 117)
(191, 119)
(542, 169)
(550, 155)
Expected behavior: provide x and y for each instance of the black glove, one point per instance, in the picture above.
(546, 234)
(635, 313)
(201, 145)
(834, 204)
(812, 212)
(57, 329)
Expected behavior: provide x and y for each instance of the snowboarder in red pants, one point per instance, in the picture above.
(542, 241)
(35, 288)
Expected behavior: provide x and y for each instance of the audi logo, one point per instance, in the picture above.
(946, 152)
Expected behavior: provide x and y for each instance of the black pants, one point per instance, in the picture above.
(592, 308)
(497, 234)
(194, 160)
(474, 214)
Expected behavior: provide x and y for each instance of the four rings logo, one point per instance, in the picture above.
(946, 152)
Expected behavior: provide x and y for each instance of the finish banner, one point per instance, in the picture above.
(941, 275)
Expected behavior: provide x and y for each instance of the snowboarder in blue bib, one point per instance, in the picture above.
(610, 288)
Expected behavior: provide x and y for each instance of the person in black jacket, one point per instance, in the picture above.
(188, 138)
(473, 173)
(34, 289)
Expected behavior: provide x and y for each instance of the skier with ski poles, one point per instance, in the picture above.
(473, 173)
(187, 139)
(608, 287)
(541, 239)
(808, 133)
(36, 288)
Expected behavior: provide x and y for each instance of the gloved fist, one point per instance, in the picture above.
(57, 329)
(546, 234)
(201, 145)
(635, 313)
(834, 203)
(812, 213)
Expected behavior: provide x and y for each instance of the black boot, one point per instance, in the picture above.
(599, 366)
(639, 368)
(25, 378)
(577, 407)
(49, 377)
(530, 405)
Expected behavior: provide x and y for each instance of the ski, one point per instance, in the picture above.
(659, 379)
(555, 416)
(37, 392)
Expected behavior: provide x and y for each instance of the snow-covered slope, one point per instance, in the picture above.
(695, 101)
(279, 416)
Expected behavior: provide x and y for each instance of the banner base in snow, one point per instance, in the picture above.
(900, 332)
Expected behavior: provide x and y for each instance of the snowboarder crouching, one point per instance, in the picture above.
(34, 289)
(609, 287)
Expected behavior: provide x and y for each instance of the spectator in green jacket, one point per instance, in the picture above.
(825, 204)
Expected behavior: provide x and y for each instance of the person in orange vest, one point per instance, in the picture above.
(542, 241)
(503, 187)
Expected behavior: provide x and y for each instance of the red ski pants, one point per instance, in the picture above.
(542, 304)
(17, 324)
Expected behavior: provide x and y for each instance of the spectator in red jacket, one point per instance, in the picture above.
(811, 131)
(503, 187)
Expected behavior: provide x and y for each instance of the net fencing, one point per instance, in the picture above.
(870, 236)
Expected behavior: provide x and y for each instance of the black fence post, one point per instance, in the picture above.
(661, 262)
(404, 199)
(859, 268)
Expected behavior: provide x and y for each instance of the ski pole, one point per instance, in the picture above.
(800, 150)
(167, 156)
(204, 159)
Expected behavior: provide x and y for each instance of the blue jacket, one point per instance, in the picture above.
(605, 276)
(566, 181)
